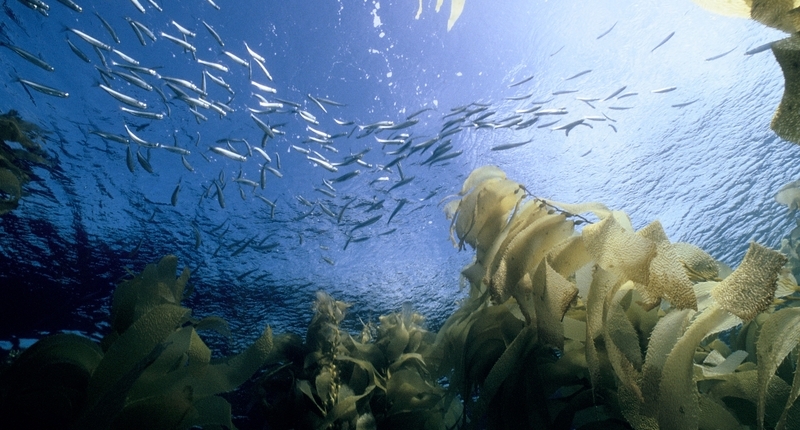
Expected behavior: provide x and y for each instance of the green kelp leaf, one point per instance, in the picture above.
(163, 411)
(137, 342)
(156, 285)
(304, 387)
(602, 283)
(552, 295)
(9, 184)
(779, 335)
(618, 250)
(46, 385)
(715, 416)
(209, 413)
(214, 323)
(152, 380)
(230, 372)
(790, 402)
(407, 391)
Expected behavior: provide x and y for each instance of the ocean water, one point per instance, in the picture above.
(707, 170)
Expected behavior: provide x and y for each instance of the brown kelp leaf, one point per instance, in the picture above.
(527, 213)
(654, 232)
(714, 415)
(663, 338)
(774, 13)
(669, 280)
(678, 403)
(793, 395)
(486, 207)
(619, 251)
(602, 283)
(750, 288)
(524, 253)
(479, 175)
(569, 256)
(779, 335)
(743, 384)
(552, 295)
(162, 411)
(737, 8)
(696, 261)
(786, 121)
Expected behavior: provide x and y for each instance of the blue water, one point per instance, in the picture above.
(708, 171)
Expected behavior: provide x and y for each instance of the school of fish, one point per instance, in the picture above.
(394, 146)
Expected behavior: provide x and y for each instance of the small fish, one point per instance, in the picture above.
(274, 171)
(72, 5)
(110, 136)
(664, 90)
(180, 42)
(186, 164)
(91, 40)
(183, 29)
(517, 98)
(78, 52)
(128, 100)
(263, 87)
(174, 198)
(613, 128)
(607, 31)
(568, 127)
(403, 182)
(557, 111)
(144, 163)
(366, 223)
(556, 93)
(264, 69)
(29, 57)
(332, 102)
(680, 105)
(138, 5)
(108, 27)
(44, 89)
(236, 59)
(718, 56)
(396, 210)
(759, 48)
(518, 83)
(557, 51)
(622, 96)
(346, 176)
(135, 80)
(548, 124)
(220, 197)
(663, 41)
(226, 153)
(578, 75)
(214, 5)
(142, 114)
(129, 160)
(615, 93)
(216, 66)
(620, 107)
(326, 165)
(505, 146)
(214, 34)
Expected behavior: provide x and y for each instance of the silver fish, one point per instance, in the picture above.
(128, 100)
(91, 40)
(214, 34)
(78, 52)
(108, 27)
(28, 56)
(44, 89)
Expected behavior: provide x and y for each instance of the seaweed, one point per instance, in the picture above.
(152, 370)
(16, 163)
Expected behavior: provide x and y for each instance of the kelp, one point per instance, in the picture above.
(16, 164)
(152, 370)
(654, 314)
(381, 379)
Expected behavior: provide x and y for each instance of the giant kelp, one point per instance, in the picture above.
(16, 163)
(608, 325)
(152, 370)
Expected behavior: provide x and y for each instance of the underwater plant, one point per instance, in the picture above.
(151, 371)
(608, 326)
(15, 163)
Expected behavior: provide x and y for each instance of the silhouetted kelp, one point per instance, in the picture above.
(605, 327)
(15, 163)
